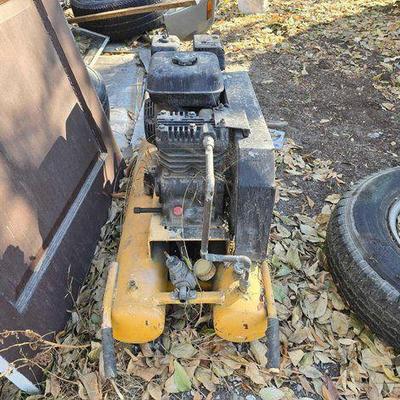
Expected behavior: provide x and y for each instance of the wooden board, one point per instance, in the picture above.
(57, 162)
(131, 11)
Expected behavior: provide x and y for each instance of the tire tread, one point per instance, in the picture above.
(121, 28)
(373, 299)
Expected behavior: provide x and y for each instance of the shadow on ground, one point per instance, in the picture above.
(323, 86)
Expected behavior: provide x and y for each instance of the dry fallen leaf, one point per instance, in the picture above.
(220, 369)
(252, 371)
(293, 258)
(321, 305)
(390, 374)
(146, 350)
(91, 383)
(340, 323)
(329, 391)
(374, 361)
(388, 106)
(333, 198)
(204, 376)
(53, 386)
(259, 351)
(154, 390)
(310, 202)
(296, 356)
(183, 350)
(271, 393)
(146, 373)
(310, 372)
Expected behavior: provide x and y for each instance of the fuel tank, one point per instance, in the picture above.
(185, 79)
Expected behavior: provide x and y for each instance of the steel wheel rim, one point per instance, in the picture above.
(394, 212)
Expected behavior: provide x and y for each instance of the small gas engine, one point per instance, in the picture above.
(198, 118)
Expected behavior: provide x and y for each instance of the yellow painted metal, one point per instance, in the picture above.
(269, 293)
(160, 233)
(142, 289)
(245, 318)
(108, 294)
(217, 297)
(136, 315)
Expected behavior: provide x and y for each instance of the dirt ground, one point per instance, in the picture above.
(334, 69)
(331, 70)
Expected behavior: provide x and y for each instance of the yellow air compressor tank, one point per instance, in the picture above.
(244, 318)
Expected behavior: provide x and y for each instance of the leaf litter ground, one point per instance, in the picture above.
(331, 70)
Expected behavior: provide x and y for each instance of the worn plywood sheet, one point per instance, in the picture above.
(58, 160)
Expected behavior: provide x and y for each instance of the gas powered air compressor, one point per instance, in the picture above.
(199, 210)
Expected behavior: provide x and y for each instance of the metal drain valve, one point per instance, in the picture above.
(181, 277)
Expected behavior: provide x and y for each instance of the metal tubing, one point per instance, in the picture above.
(147, 210)
(272, 334)
(269, 294)
(215, 297)
(110, 365)
(229, 258)
(208, 143)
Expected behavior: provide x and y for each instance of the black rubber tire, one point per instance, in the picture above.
(118, 28)
(101, 90)
(363, 255)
